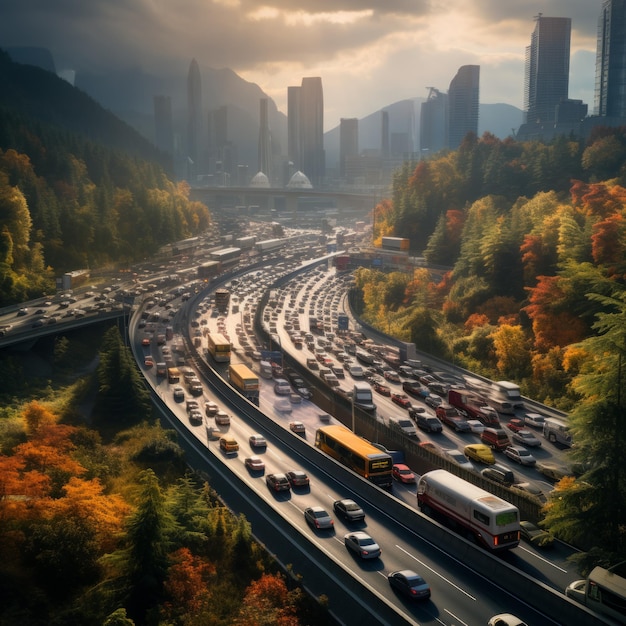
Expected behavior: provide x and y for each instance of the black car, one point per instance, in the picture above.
(349, 510)
(409, 584)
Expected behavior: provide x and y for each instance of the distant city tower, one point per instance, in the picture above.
(610, 90)
(194, 117)
(293, 126)
(313, 162)
(463, 104)
(348, 142)
(546, 81)
(265, 140)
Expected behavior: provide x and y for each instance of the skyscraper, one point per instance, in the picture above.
(463, 103)
(434, 122)
(311, 111)
(348, 142)
(547, 68)
(610, 91)
(265, 140)
(293, 126)
(163, 124)
(194, 117)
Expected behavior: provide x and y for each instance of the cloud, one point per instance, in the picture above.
(368, 52)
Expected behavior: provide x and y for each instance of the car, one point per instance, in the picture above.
(520, 455)
(21, 312)
(433, 400)
(515, 424)
(178, 393)
(391, 376)
(526, 438)
(297, 427)
(210, 408)
(409, 584)
(415, 411)
(381, 388)
(429, 445)
(148, 361)
(222, 418)
(254, 463)
(534, 419)
(480, 452)
(552, 470)
(476, 426)
(298, 478)
(145, 341)
(531, 490)
(536, 536)
(257, 441)
(317, 517)
(228, 444)
(456, 456)
(455, 421)
(349, 510)
(282, 405)
(282, 387)
(278, 482)
(195, 417)
(428, 423)
(356, 371)
(499, 474)
(401, 399)
(415, 389)
(362, 545)
(505, 619)
(402, 473)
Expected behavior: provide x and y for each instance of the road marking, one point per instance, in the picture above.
(436, 572)
(542, 559)
(454, 617)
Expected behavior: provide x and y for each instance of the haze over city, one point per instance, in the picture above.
(368, 53)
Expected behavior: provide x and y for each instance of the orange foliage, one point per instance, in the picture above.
(455, 220)
(498, 307)
(36, 415)
(475, 320)
(267, 601)
(20, 491)
(188, 582)
(607, 240)
(598, 198)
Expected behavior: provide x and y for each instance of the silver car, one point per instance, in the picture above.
(362, 545)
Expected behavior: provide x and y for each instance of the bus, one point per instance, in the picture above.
(218, 347)
(173, 375)
(493, 522)
(222, 298)
(245, 381)
(556, 431)
(604, 591)
(355, 453)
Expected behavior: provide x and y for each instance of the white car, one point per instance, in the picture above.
(506, 619)
(456, 456)
(476, 426)
(520, 455)
(526, 438)
(282, 387)
(534, 419)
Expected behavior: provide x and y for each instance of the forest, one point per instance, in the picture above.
(530, 242)
(102, 523)
(78, 188)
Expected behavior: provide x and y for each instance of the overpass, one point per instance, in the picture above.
(252, 200)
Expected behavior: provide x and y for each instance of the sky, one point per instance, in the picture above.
(369, 53)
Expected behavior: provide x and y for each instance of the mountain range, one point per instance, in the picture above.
(129, 95)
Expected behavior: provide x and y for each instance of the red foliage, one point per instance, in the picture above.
(475, 320)
(188, 581)
(607, 240)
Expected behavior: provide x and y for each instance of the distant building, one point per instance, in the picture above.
(463, 104)
(546, 80)
(610, 89)
(434, 122)
(293, 126)
(163, 124)
(313, 162)
(194, 118)
(348, 142)
(265, 140)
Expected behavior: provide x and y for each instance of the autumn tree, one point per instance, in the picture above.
(511, 348)
(268, 602)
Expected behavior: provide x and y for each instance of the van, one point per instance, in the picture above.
(557, 431)
(495, 438)
(404, 425)
(499, 474)
(265, 369)
(228, 444)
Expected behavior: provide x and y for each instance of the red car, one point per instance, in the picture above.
(383, 390)
(403, 473)
(401, 399)
(516, 424)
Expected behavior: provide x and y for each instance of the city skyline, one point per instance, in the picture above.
(367, 55)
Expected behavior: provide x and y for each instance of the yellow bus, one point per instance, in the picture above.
(218, 347)
(355, 453)
(245, 381)
(173, 375)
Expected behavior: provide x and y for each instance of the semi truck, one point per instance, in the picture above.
(505, 396)
(473, 406)
(245, 381)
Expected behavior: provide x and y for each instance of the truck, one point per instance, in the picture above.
(505, 396)
(222, 298)
(396, 243)
(473, 406)
(362, 396)
(245, 381)
(492, 521)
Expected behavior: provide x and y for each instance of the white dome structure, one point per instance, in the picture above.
(299, 181)
(260, 181)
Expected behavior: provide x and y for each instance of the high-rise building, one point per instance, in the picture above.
(313, 161)
(163, 124)
(463, 104)
(265, 140)
(610, 91)
(293, 127)
(434, 122)
(348, 142)
(547, 68)
(194, 118)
